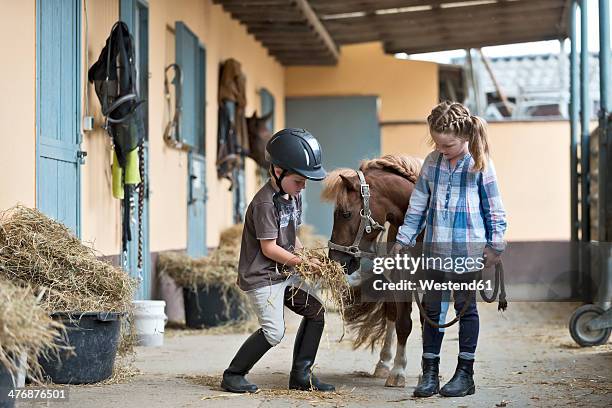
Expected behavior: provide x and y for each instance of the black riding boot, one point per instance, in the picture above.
(251, 351)
(304, 353)
(429, 383)
(462, 383)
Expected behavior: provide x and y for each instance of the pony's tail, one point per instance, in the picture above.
(368, 320)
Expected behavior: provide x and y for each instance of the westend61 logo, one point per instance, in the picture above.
(405, 262)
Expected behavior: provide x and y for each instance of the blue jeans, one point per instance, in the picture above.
(436, 305)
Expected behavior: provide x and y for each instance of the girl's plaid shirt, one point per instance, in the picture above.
(460, 209)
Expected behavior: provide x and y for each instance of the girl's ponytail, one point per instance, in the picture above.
(478, 142)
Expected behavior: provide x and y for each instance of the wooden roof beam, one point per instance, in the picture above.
(457, 27)
(467, 12)
(331, 7)
(526, 27)
(318, 27)
(416, 48)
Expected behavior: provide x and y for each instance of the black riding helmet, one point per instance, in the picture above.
(295, 151)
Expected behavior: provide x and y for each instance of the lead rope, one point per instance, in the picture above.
(502, 306)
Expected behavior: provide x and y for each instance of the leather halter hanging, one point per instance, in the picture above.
(367, 225)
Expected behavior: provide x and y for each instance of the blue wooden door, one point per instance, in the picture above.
(135, 13)
(58, 134)
(348, 130)
(191, 57)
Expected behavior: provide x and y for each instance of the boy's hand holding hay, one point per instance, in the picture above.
(317, 269)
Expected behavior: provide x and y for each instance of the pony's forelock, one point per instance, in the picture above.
(334, 190)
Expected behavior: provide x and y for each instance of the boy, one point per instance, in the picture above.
(268, 239)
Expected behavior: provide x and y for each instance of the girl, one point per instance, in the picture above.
(457, 201)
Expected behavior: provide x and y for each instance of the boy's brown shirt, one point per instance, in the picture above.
(263, 221)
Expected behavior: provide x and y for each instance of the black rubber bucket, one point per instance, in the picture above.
(205, 307)
(6, 385)
(94, 337)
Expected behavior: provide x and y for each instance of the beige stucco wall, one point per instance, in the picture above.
(532, 163)
(223, 38)
(18, 104)
(407, 89)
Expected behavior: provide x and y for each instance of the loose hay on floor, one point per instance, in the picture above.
(44, 254)
(25, 328)
(340, 397)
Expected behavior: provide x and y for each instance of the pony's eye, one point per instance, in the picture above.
(346, 214)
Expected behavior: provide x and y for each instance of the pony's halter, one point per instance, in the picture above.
(367, 225)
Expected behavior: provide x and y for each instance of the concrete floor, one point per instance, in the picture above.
(525, 358)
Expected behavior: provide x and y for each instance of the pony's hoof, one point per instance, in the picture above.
(381, 371)
(395, 380)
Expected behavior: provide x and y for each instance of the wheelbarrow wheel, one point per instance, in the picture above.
(581, 333)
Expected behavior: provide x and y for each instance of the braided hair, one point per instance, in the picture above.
(454, 118)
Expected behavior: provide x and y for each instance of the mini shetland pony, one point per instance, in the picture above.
(391, 181)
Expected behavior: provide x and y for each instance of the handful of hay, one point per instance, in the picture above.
(25, 328)
(39, 252)
(328, 274)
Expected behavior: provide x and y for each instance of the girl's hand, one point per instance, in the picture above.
(491, 257)
(396, 249)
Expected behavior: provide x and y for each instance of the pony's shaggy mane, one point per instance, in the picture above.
(334, 189)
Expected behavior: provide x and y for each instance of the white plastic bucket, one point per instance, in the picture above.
(150, 319)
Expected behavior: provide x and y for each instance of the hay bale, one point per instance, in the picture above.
(25, 328)
(44, 254)
(220, 267)
(231, 237)
(181, 268)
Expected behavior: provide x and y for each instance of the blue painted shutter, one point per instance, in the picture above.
(57, 125)
(191, 57)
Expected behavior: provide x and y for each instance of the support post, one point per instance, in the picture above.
(605, 288)
(585, 154)
(574, 117)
